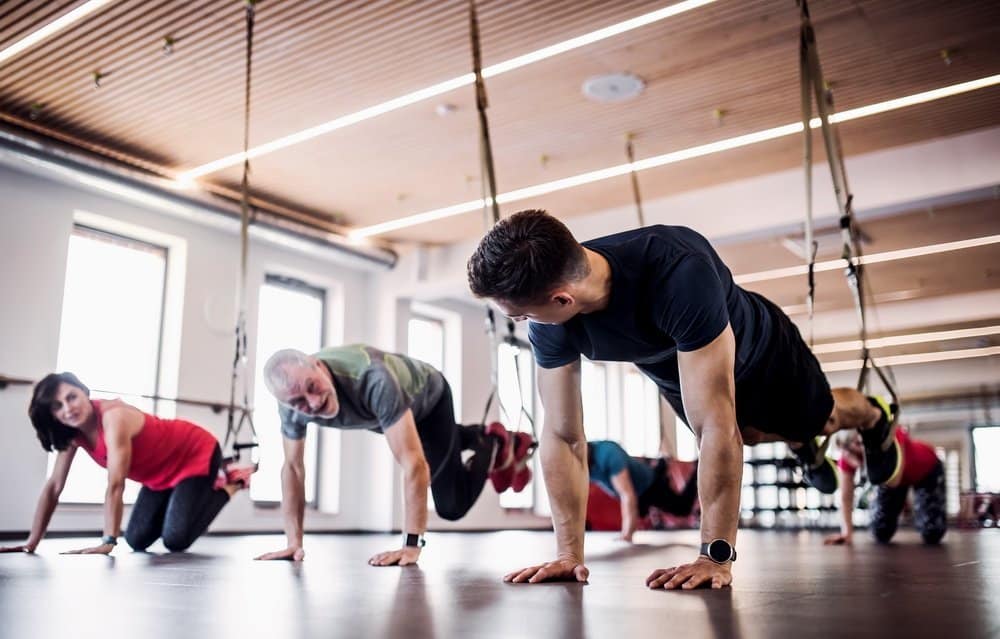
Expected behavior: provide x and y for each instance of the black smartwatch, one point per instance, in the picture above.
(719, 550)
(414, 541)
(109, 539)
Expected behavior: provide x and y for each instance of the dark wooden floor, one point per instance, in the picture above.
(786, 585)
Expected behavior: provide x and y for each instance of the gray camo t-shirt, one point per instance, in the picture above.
(374, 389)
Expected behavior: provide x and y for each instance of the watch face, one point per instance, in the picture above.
(720, 550)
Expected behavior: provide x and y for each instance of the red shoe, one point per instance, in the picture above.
(524, 447)
(502, 471)
(240, 474)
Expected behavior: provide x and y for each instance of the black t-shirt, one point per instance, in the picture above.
(670, 291)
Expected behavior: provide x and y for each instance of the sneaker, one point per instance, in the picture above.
(524, 448)
(883, 458)
(818, 469)
(502, 470)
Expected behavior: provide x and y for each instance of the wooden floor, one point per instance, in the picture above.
(786, 585)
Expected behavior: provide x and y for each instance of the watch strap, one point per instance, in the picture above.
(412, 540)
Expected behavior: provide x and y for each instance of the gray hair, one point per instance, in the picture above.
(276, 369)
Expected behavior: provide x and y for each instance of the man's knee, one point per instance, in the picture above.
(449, 512)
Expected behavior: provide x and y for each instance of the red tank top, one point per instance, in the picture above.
(164, 453)
(919, 458)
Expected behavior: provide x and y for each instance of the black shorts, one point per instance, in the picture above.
(786, 393)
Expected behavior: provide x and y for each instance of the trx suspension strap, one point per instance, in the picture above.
(630, 154)
(489, 179)
(239, 373)
(514, 343)
(812, 79)
(491, 209)
(810, 244)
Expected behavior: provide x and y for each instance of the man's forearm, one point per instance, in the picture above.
(417, 479)
(719, 482)
(293, 503)
(564, 467)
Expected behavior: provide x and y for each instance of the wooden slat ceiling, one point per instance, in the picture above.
(962, 271)
(315, 61)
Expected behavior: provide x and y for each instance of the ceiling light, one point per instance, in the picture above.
(448, 85)
(52, 28)
(900, 340)
(916, 358)
(613, 87)
(677, 156)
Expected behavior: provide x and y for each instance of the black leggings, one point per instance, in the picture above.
(929, 514)
(455, 486)
(661, 494)
(180, 514)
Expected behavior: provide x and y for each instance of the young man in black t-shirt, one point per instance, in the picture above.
(730, 362)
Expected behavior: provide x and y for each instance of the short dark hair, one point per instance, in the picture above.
(524, 257)
(53, 434)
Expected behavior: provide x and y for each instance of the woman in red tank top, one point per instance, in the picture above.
(920, 470)
(177, 462)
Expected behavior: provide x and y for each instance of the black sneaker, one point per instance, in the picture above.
(818, 469)
(883, 459)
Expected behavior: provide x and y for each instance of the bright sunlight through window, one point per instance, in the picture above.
(290, 315)
(641, 401)
(516, 392)
(110, 334)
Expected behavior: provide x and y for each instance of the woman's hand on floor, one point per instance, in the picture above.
(22, 548)
(292, 553)
(103, 549)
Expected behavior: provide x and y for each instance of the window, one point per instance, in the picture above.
(515, 394)
(594, 389)
(290, 315)
(986, 450)
(425, 340)
(952, 478)
(110, 333)
(641, 402)
(687, 443)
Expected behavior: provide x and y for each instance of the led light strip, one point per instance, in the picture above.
(677, 156)
(444, 87)
(874, 258)
(52, 28)
(916, 358)
(900, 340)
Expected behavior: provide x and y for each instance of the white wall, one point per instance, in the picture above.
(36, 219)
